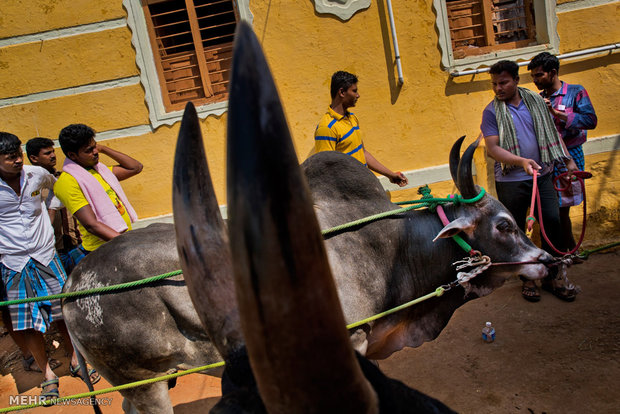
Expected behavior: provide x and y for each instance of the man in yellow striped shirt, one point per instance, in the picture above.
(339, 128)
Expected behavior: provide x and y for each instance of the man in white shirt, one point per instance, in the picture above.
(29, 264)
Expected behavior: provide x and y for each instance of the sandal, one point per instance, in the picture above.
(30, 365)
(50, 394)
(92, 374)
(530, 293)
(562, 292)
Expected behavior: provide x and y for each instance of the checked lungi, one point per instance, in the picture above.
(34, 280)
(577, 155)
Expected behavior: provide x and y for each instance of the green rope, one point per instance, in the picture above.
(438, 292)
(454, 198)
(366, 220)
(462, 243)
(585, 254)
(426, 201)
(434, 203)
(103, 289)
(112, 389)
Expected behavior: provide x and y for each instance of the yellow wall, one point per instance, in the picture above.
(407, 128)
(21, 17)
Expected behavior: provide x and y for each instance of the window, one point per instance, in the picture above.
(475, 32)
(184, 52)
(192, 46)
(482, 26)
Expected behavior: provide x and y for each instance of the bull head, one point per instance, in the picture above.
(461, 170)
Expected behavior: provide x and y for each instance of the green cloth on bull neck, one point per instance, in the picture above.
(547, 135)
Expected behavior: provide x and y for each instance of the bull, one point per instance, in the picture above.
(150, 331)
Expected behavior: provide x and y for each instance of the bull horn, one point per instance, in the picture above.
(290, 314)
(465, 181)
(455, 157)
(202, 239)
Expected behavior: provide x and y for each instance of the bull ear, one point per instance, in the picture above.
(202, 239)
(290, 313)
(461, 224)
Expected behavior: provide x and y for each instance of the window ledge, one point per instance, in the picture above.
(549, 40)
(523, 53)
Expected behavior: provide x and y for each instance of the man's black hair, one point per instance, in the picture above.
(341, 80)
(9, 143)
(75, 136)
(35, 145)
(546, 60)
(505, 66)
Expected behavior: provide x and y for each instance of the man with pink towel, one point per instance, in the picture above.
(91, 191)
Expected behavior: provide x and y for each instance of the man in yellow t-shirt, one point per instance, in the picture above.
(338, 129)
(73, 198)
(78, 143)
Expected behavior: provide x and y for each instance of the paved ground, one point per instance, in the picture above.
(549, 357)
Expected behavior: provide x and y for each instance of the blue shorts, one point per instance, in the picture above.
(34, 280)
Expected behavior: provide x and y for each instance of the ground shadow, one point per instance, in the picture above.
(198, 406)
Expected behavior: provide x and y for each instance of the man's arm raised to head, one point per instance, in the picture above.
(86, 216)
(128, 167)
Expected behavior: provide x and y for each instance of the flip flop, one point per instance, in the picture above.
(92, 373)
(567, 295)
(50, 395)
(530, 293)
(30, 365)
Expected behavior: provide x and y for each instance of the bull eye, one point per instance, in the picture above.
(504, 226)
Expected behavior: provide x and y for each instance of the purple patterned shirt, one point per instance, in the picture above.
(575, 101)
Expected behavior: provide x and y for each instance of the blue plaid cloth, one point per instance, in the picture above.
(70, 258)
(577, 154)
(34, 280)
(76, 255)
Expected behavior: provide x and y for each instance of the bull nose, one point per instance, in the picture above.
(546, 258)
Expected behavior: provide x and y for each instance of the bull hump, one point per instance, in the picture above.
(333, 175)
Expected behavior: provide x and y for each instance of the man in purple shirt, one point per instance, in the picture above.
(515, 164)
(572, 113)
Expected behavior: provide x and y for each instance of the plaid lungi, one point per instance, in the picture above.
(71, 258)
(34, 280)
(576, 154)
(77, 254)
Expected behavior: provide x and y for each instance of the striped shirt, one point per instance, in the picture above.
(575, 101)
(336, 132)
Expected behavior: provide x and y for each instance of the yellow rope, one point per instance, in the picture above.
(438, 292)
(112, 389)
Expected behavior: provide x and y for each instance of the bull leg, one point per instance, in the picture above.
(151, 399)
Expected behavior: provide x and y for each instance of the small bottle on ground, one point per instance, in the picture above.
(488, 332)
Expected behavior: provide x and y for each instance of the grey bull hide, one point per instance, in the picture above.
(150, 331)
